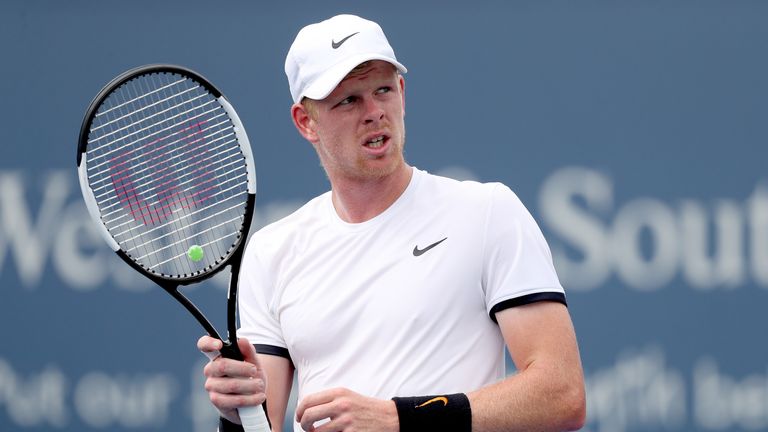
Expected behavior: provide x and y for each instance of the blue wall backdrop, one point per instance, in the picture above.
(635, 132)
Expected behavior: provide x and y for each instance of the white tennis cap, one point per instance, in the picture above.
(324, 53)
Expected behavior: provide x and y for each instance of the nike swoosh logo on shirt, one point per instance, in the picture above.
(336, 45)
(419, 252)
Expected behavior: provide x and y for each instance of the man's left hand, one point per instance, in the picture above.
(346, 411)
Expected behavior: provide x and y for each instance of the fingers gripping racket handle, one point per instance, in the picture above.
(253, 418)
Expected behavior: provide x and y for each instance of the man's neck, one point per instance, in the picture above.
(357, 201)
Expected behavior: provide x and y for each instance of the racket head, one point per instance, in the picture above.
(167, 173)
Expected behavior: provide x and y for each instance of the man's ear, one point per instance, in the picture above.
(303, 122)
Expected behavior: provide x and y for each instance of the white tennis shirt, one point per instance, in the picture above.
(399, 305)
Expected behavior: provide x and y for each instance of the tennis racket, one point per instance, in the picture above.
(167, 173)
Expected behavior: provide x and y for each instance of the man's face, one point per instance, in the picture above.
(358, 130)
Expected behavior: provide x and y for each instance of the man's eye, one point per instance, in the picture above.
(347, 101)
(384, 90)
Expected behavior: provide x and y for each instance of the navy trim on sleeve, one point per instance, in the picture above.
(527, 299)
(273, 350)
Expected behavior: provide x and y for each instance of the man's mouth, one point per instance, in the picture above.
(375, 142)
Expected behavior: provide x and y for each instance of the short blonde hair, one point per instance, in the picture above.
(310, 107)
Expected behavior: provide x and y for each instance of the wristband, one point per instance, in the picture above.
(227, 426)
(445, 413)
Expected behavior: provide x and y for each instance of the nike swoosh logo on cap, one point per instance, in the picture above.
(336, 45)
(419, 252)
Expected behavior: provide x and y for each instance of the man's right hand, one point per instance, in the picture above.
(232, 384)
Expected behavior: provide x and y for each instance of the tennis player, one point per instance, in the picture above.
(394, 295)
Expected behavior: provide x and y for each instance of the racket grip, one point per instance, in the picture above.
(253, 419)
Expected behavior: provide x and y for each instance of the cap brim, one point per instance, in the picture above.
(324, 85)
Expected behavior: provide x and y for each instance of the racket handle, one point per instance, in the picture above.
(253, 419)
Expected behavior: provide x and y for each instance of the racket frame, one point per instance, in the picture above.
(234, 256)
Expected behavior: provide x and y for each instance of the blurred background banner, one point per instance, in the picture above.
(635, 132)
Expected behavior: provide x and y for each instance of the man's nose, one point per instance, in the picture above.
(373, 111)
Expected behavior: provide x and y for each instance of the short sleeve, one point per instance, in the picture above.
(258, 319)
(517, 262)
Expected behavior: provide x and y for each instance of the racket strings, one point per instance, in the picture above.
(137, 238)
(113, 222)
(148, 174)
(157, 212)
(130, 145)
(124, 116)
(123, 160)
(172, 245)
(168, 173)
(118, 106)
(145, 113)
(149, 177)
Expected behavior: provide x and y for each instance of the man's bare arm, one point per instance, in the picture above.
(547, 393)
